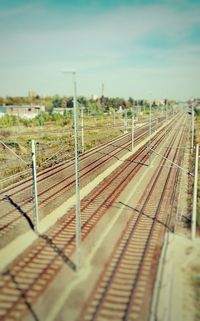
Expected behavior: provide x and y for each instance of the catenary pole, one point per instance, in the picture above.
(150, 131)
(78, 212)
(82, 130)
(78, 219)
(125, 121)
(192, 143)
(35, 194)
(114, 118)
(194, 207)
(133, 132)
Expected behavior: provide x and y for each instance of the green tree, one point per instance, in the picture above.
(56, 102)
(2, 101)
(41, 119)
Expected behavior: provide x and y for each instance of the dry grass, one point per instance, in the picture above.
(196, 288)
(197, 141)
(53, 144)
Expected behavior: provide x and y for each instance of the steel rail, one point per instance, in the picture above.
(50, 262)
(112, 155)
(64, 163)
(126, 313)
(148, 241)
(43, 202)
(5, 227)
(84, 156)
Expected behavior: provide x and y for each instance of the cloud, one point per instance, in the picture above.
(19, 9)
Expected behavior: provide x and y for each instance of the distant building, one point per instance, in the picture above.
(62, 110)
(92, 97)
(25, 111)
(120, 109)
(2, 111)
(32, 94)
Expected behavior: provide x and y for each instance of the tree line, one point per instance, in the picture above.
(91, 105)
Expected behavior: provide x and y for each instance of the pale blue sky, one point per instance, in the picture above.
(133, 47)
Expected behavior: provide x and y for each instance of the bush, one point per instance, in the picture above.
(197, 111)
(8, 121)
(26, 122)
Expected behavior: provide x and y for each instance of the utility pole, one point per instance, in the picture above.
(150, 130)
(82, 129)
(166, 117)
(125, 121)
(35, 194)
(18, 119)
(78, 211)
(192, 144)
(102, 89)
(114, 118)
(133, 131)
(194, 208)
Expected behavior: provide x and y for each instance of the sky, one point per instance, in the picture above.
(143, 49)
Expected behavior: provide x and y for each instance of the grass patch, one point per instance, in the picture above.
(53, 143)
(196, 287)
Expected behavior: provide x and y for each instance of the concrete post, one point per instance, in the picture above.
(82, 130)
(133, 132)
(194, 208)
(78, 217)
(35, 194)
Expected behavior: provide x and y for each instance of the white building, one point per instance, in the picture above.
(25, 111)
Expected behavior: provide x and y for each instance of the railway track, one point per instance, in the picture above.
(57, 183)
(24, 281)
(124, 289)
